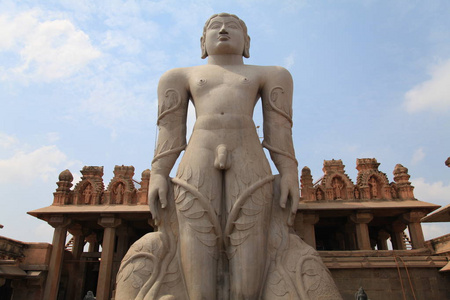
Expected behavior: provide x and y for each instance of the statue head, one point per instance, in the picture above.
(246, 50)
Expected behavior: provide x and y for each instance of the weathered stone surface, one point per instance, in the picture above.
(151, 270)
(224, 220)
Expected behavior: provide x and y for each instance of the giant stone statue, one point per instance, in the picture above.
(224, 220)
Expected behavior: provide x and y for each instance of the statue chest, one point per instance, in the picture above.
(224, 85)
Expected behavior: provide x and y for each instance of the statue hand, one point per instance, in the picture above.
(157, 191)
(290, 190)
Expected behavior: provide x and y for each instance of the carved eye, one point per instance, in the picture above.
(214, 25)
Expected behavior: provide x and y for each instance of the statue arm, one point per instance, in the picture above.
(276, 97)
(173, 100)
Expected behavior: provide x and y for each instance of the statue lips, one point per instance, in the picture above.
(223, 37)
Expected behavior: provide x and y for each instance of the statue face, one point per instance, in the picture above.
(224, 35)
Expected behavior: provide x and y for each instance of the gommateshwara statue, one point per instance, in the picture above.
(224, 220)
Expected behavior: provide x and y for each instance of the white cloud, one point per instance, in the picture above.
(433, 94)
(286, 6)
(113, 102)
(289, 61)
(7, 141)
(118, 39)
(435, 192)
(26, 165)
(52, 137)
(418, 156)
(41, 163)
(45, 49)
(292, 6)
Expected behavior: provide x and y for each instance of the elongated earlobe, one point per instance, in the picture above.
(203, 46)
(246, 53)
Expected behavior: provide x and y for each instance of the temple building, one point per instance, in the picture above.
(368, 234)
(336, 214)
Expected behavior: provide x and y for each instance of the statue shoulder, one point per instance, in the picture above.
(275, 75)
(278, 71)
(174, 76)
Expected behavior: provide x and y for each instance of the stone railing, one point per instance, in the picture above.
(11, 249)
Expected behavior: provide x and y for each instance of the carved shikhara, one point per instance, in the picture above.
(151, 268)
(371, 184)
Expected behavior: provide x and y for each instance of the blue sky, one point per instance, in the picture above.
(78, 87)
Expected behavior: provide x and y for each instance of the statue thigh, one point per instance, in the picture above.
(199, 229)
(235, 219)
(249, 196)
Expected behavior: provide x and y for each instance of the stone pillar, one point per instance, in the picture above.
(76, 231)
(340, 239)
(382, 240)
(361, 219)
(123, 241)
(397, 235)
(309, 233)
(109, 222)
(93, 243)
(76, 277)
(350, 240)
(60, 223)
(415, 228)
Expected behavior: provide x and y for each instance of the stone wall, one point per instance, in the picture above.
(440, 245)
(11, 249)
(384, 283)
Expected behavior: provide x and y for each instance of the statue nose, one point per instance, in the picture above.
(223, 30)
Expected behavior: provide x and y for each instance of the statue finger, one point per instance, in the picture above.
(295, 201)
(163, 197)
(291, 219)
(283, 197)
(154, 210)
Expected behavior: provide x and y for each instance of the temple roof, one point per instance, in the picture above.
(45, 212)
(355, 205)
(441, 215)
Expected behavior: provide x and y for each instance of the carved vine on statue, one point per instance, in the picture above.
(223, 221)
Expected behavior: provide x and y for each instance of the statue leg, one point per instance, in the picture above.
(199, 228)
(250, 191)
